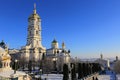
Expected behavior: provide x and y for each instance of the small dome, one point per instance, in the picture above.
(54, 44)
(54, 41)
(2, 43)
(33, 16)
(6, 57)
(3, 54)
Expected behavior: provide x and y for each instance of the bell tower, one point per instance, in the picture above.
(33, 49)
(34, 29)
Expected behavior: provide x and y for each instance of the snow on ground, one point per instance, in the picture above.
(109, 76)
(8, 73)
(51, 76)
(112, 75)
(104, 77)
(60, 77)
(118, 77)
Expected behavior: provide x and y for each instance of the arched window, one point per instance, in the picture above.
(38, 43)
(37, 32)
(4, 64)
(30, 33)
(7, 64)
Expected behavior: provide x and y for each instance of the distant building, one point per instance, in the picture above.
(115, 64)
(103, 62)
(101, 56)
(15, 54)
(117, 58)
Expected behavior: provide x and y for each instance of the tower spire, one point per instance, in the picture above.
(34, 8)
(101, 55)
(63, 45)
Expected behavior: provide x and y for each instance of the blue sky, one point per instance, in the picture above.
(88, 27)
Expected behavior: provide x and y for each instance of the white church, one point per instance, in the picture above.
(33, 50)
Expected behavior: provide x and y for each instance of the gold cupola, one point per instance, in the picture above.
(34, 15)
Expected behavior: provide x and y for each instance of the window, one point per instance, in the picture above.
(37, 32)
(30, 32)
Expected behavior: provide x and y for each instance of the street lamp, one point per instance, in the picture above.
(55, 63)
(40, 73)
(15, 65)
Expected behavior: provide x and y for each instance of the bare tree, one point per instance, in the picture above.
(47, 65)
(22, 63)
(60, 64)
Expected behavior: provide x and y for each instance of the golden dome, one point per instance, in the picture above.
(6, 57)
(34, 16)
(54, 41)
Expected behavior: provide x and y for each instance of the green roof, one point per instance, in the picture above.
(54, 41)
(2, 43)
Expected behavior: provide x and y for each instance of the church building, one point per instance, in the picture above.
(34, 50)
(59, 56)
